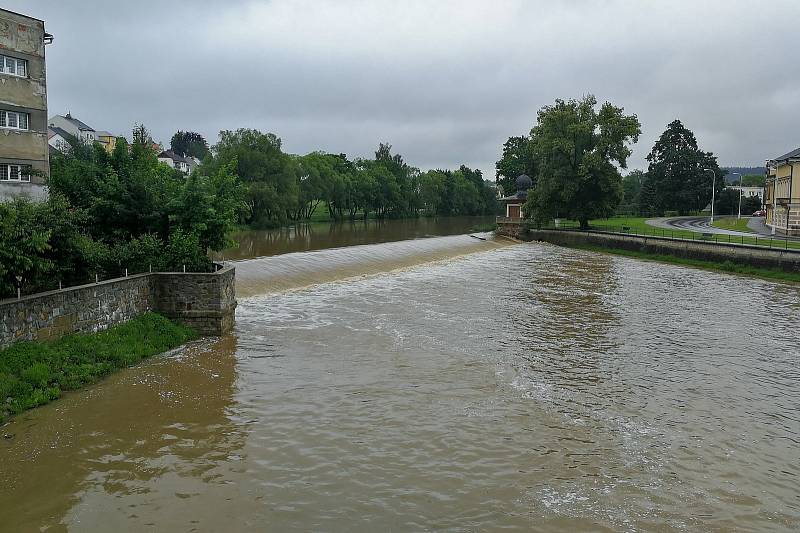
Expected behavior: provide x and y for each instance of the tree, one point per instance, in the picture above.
(753, 180)
(632, 187)
(189, 143)
(518, 158)
(576, 148)
(678, 171)
(271, 177)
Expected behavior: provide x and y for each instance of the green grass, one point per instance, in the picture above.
(733, 224)
(35, 373)
(638, 226)
(727, 266)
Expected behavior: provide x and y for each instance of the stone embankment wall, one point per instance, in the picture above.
(757, 256)
(205, 302)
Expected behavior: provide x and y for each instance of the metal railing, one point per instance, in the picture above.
(756, 240)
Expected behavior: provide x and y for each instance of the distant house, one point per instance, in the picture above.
(58, 139)
(178, 162)
(782, 196)
(749, 192)
(73, 126)
(107, 139)
(515, 202)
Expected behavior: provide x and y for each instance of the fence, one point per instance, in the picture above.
(769, 242)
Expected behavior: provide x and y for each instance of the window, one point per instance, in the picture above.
(13, 66)
(14, 172)
(14, 120)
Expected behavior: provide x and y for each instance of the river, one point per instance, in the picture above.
(450, 384)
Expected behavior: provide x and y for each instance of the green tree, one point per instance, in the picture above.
(189, 143)
(270, 176)
(578, 149)
(678, 171)
(632, 187)
(518, 158)
(753, 180)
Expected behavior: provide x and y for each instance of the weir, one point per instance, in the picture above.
(291, 271)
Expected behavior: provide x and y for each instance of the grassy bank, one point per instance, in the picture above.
(639, 226)
(727, 266)
(733, 224)
(35, 373)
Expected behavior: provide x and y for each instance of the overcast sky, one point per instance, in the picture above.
(445, 82)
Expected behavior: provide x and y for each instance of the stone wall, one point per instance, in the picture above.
(205, 302)
(757, 256)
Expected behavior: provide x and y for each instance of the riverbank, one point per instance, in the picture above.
(35, 373)
(779, 264)
(726, 266)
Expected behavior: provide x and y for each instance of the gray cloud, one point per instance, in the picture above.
(445, 82)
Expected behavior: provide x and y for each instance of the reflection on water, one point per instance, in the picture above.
(528, 387)
(304, 237)
(108, 456)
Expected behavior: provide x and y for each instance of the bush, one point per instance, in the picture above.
(34, 373)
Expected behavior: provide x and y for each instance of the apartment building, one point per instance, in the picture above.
(24, 152)
(782, 195)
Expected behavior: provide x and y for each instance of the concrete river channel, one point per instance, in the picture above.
(437, 384)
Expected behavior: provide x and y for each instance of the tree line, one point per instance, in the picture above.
(574, 155)
(281, 187)
(109, 213)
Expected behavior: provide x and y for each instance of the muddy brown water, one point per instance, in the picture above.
(480, 386)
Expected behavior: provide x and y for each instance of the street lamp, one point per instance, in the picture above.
(740, 193)
(713, 191)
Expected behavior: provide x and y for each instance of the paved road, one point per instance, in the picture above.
(701, 225)
(697, 224)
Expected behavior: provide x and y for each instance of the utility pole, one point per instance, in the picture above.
(713, 192)
(740, 193)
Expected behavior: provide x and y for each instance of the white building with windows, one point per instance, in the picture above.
(749, 192)
(58, 139)
(178, 162)
(78, 129)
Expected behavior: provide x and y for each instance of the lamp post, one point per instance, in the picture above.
(713, 192)
(739, 216)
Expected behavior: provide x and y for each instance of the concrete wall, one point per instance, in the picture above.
(205, 302)
(22, 37)
(757, 256)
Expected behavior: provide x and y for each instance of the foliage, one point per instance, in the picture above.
(34, 373)
(42, 243)
(753, 180)
(279, 187)
(270, 176)
(518, 158)
(677, 179)
(111, 212)
(189, 143)
(576, 148)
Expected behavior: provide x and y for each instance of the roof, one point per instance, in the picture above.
(169, 154)
(794, 154)
(55, 130)
(80, 125)
(20, 14)
(105, 134)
